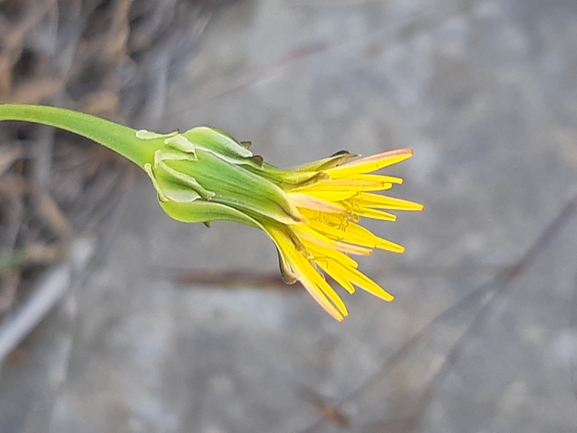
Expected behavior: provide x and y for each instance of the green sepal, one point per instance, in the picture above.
(205, 212)
(223, 145)
(181, 143)
(287, 179)
(150, 172)
(179, 186)
(172, 155)
(305, 174)
(201, 211)
(332, 161)
(169, 190)
(237, 187)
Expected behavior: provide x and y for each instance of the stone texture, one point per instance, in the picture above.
(485, 92)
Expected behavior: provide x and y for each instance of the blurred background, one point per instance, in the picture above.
(117, 319)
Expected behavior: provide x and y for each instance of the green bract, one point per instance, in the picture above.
(204, 175)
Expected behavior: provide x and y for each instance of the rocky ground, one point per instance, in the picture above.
(485, 93)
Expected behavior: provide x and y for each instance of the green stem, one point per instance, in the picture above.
(117, 137)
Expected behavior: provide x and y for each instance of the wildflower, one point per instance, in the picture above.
(311, 212)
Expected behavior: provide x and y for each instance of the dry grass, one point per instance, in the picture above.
(110, 58)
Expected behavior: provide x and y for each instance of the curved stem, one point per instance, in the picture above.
(117, 137)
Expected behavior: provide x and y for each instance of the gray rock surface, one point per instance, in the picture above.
(486, 94)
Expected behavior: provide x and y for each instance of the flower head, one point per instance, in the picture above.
(311, 212)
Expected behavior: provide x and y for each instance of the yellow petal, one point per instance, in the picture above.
(353, 249)
(315, 203)
(372, 163)
(346, 276)
(362, 281)
(373, 213)
(346, 184)
(332, 196)
(323, 252)
(384, 202)
(310, 278)
(316, 285)
(365, 177)
(334, 270)
(355, 234)
(307, 233)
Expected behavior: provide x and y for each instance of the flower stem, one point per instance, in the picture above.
(118, 138)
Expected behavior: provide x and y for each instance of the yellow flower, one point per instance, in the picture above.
(311, 212)
(333, 208)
